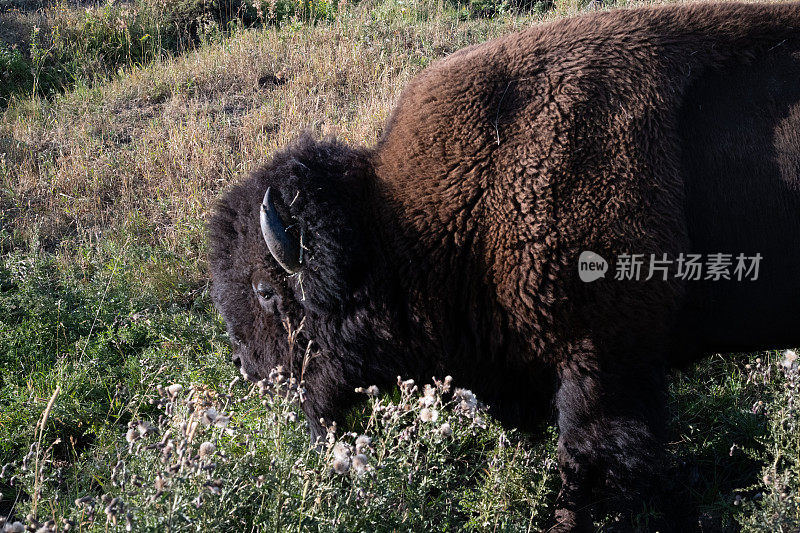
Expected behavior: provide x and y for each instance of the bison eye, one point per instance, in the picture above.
(263, 290)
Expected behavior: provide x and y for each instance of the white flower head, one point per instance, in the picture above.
(208, 416)
(222, 420)
(16, 527)
(212, 417)
(428, 415)
(448, 381)
(363, 443)
(360, 463)
(174, 389)
(428, 397)
(341, 466)
(341, 451)
(144, 428)
(207, 448)
(789, 359)
(468, 400)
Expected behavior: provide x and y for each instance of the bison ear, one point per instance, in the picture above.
(285, 248)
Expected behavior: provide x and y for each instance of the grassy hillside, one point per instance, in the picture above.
(120, 125)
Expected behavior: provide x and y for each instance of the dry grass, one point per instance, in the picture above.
(148, 152)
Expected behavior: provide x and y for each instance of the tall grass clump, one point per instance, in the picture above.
(773, 502)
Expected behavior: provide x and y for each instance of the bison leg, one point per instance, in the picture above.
(574, 507)
(611, 413)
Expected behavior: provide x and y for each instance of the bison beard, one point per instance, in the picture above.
(451, 247)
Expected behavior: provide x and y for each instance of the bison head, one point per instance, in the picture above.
(295, 263)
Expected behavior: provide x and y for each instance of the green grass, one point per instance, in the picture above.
(91, 329)
(107, 173)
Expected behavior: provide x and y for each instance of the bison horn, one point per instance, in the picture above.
(283, 248)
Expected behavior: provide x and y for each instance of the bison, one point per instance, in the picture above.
(455, 245)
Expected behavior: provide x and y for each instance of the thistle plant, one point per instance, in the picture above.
(239, 457)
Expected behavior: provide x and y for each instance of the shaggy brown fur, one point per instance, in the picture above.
(452, 246)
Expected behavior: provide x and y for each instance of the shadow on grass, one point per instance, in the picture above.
(710, 428)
